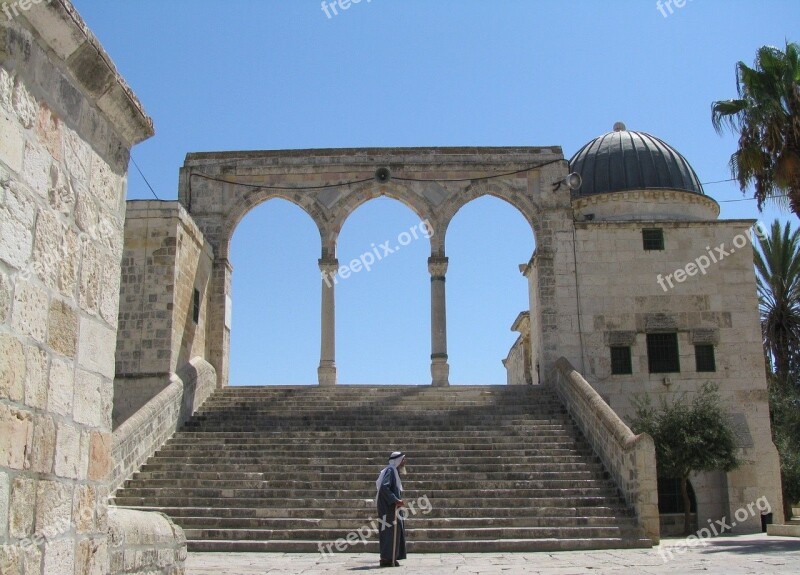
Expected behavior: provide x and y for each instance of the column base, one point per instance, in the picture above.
(326, 375)
(440, 372)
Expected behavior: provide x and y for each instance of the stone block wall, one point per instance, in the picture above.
(622, 298)
(67, 124)
(165, 259)
(151, 426)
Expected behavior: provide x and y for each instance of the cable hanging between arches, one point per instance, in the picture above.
(364, 180)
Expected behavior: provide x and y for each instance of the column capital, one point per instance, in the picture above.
(437, 266)
(328, 265)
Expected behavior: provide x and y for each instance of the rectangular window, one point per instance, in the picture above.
(621, 360)
(662, 353)
(196, 306)
(704, 358)
(653, 239)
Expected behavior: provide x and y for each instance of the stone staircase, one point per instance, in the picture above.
(292, 469)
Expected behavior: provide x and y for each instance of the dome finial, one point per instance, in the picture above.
(619, 127)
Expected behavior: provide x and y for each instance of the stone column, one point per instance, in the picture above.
(326, 371)
(440, 369)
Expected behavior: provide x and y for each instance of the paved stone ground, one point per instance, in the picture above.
(740, 555)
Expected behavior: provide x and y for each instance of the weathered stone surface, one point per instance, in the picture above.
(5, 499)
(91, 557)
(12, 144)
(23, 504)
(16, 437)
(12, 368)
(61, 387)
(5, 297)
(36, 379)
(36, 166)
(68, 449)
(96, 347)
(24, 106)
(29, 316)
(53, 508)
(44, 444)
(48, 132)
(59, 557)
(91, 406)
(99, 456)
(62, 333)
(83, 508)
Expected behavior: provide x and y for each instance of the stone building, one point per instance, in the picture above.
(666, 302)
(67, 124)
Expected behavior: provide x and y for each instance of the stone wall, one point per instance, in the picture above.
(629, 458)
(67, 124)
(518, 361)
(165, 259)
(622, 298)
(152, 425)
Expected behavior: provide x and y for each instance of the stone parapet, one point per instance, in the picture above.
(631, 459)
(149, 428)
(144, 543)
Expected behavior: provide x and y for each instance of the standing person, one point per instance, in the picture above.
(390, 500)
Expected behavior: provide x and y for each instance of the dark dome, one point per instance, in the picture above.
(626, 160)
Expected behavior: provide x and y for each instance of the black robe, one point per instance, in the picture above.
(388, 496)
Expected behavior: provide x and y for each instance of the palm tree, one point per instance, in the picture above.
(766, 115)
(777, 262)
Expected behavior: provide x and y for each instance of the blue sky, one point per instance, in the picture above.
(280, 74)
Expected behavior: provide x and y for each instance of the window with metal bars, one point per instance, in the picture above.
(621, 360)
(704, 358)
(662, 353)
(653, 239)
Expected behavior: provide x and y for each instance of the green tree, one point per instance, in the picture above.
(766, 116)
(689, 437)
(784, 403)
(777, 261)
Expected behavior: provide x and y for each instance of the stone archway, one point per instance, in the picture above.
(219, 189)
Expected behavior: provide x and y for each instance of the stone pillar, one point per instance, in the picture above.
(440, 369)
(326, 371)
(218, 335)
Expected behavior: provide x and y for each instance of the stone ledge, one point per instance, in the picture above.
(788, 530)
(61, 29)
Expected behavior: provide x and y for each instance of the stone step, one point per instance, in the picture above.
(418, 522)
(360, 478)
(366, 502)
(459, 546)
(290, 468)
(317, 487)
(413, 533)
(367, 513)
(546, 464)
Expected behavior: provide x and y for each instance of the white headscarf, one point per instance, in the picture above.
(395, 459)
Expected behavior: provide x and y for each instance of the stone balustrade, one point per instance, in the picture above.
(149, 428)
(630, 458)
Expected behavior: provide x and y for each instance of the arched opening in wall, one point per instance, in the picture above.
(383, 303)
(275, 333)
(487, 241)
